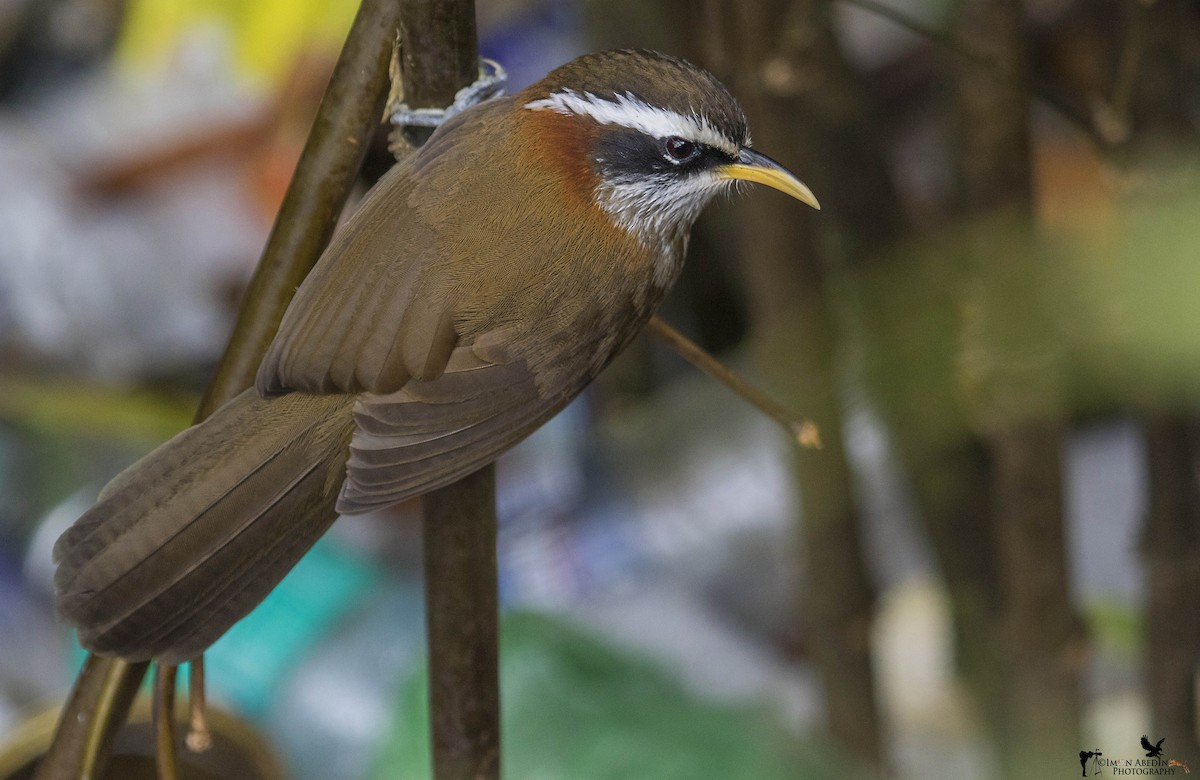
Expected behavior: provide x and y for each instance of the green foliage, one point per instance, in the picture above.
(995, 320)
(574, 707)
(1117, 626)
(62, 408)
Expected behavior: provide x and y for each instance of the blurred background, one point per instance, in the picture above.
(991, 567)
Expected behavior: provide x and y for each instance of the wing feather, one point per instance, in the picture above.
(377, 309)
(432, 433)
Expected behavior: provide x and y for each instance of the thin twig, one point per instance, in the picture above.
(162, 715)
(199, 738)
(947, 41)
(804, 432)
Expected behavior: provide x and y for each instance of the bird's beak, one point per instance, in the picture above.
(752, 166)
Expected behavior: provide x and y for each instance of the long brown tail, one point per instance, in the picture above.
(185, 542)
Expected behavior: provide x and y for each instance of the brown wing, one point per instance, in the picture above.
(352, 325)
(376, 309)
(459, 346)
(432, 433)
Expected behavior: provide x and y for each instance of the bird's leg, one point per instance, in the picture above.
(490, 84)
(163, 718)
(198, 738)
(403, 118)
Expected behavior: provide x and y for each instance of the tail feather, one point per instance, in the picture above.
(189, 539)
(227, 584)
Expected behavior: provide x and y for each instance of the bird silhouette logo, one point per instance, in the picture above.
(1155, 750)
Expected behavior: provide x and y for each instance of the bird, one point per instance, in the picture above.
(479, 286)
(1152, 751)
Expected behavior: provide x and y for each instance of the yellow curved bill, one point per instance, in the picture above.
(756, 167)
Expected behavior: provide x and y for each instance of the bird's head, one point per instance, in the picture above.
(651, 138)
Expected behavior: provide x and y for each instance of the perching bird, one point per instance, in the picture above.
(482, 283)
(1152, 751)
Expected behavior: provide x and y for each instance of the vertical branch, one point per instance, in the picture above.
(439, 51)
(797, 87)
(1170, 536)
(839, 592)
(440, 56)
(994, 156)
(1170, 547)
(163, 717)
(105, 688)
(1040, 633)
(461, 622)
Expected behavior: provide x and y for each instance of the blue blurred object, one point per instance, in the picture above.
(248, 664)
(533, 39)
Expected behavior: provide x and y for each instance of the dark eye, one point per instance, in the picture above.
(679, 150)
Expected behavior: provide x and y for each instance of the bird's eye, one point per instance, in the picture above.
(679, 150)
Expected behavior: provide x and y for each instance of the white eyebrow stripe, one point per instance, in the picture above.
(628, 111)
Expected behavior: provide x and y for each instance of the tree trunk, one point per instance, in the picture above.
(1021, 403)
(1164, 80)
(805, 104)
(1170, 547)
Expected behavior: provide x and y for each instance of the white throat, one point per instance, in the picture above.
(658, 210)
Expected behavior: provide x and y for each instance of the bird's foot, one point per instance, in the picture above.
(490, 84)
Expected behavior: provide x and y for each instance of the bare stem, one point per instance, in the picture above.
(803, 431)
(1005, 77)
(461, 618)
(163, 715)
(93, 713)
(438, 56)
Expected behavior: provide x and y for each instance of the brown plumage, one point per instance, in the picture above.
(481, 284)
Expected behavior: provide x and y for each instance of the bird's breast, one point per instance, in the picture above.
(527, 251)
